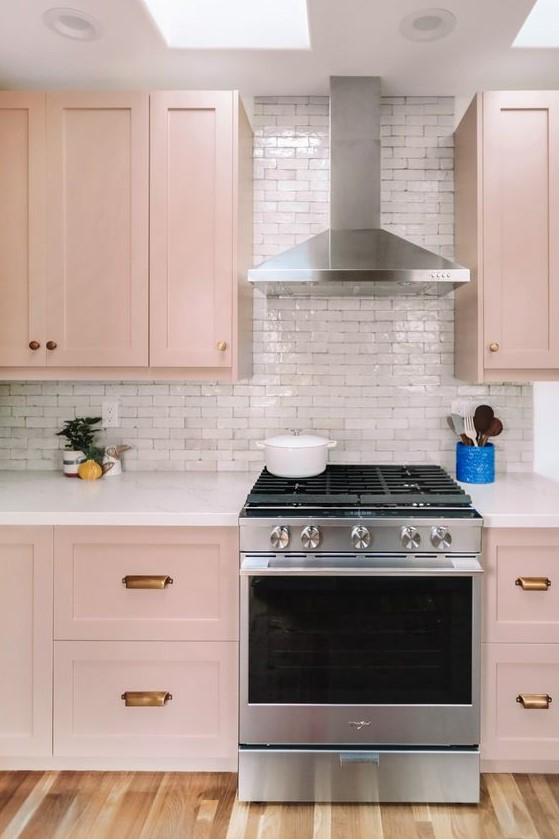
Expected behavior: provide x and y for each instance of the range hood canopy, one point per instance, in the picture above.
(356, 257)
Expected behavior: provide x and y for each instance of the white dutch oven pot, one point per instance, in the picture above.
(296, 455)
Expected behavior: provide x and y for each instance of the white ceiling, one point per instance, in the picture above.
(349, 37)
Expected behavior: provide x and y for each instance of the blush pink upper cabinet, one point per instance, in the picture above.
(200, 311)
(97, 229)
(22, 229)
(507, 217)
(74, 234)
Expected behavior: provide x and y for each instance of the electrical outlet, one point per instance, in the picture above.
(109, 413)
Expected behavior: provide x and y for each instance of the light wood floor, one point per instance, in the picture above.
(146, 805)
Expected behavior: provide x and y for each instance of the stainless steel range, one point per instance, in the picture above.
(360, 637)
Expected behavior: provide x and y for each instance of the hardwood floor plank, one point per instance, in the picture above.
(296, 820)
(512, 813)
(237, 828)
(17, 827)
(322, 821)
(370, 821)
(398, 821)
(14, 789)
(152, 805)
(95, 796)
(540, 803)
(269, 821)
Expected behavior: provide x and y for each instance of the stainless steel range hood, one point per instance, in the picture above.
(356, 257)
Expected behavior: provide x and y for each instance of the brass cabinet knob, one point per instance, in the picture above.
(51, 345)
(34, 345)
(494, 347)
(222, 346)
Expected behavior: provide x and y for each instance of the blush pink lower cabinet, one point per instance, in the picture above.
(147, 699)
(506, 218)
(520, 696)
(146, 647)
(25, 641)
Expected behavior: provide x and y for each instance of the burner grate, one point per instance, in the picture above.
(359, 486)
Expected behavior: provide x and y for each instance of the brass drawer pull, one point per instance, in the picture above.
(534, 701)
(533, 583)
(150, 581)
(494, 347)
(145, 698)
(222, 346)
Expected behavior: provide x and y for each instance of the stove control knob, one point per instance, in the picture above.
(279, 537)
(361, 537)
(441, 538)
(410, 538)
(311, 537)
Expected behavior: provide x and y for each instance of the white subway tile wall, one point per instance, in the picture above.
(374, 374)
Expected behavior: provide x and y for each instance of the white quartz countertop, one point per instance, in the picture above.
(216, 498)
(133, 498)
(517, 500)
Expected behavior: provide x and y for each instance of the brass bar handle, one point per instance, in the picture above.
(150, 581)
(145, 698)
(533, 583)
(534, 701)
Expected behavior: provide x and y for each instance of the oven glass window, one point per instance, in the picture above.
(360, 640)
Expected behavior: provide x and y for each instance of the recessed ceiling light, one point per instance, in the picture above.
(427, 24)
(73, 23)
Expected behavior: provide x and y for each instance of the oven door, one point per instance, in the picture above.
(371, 650)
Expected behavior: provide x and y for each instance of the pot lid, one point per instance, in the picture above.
(296, 441)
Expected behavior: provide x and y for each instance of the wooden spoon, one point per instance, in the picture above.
(493, 431)
(483, 417)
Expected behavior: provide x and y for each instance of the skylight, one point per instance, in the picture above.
(541, 27)
(223, 24)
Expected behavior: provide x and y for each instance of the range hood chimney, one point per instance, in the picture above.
(356, 257)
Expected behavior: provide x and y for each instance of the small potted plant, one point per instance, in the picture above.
(80, 446)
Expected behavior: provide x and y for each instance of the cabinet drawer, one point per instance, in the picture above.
(509, 730)
(522, 586)
(194, 570)
(91, 718)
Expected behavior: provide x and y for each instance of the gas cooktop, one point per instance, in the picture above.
(358, 487)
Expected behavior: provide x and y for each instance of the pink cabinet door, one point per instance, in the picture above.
(22, 229)
(151, 583)
(518, 722)
(195, 682)
(191, 229)
(520, 246)
(97, 236)
(521, 585)
(25, 641)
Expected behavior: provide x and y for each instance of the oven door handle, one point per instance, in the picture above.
(262, 568)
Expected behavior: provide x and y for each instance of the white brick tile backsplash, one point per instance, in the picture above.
(374, 374)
